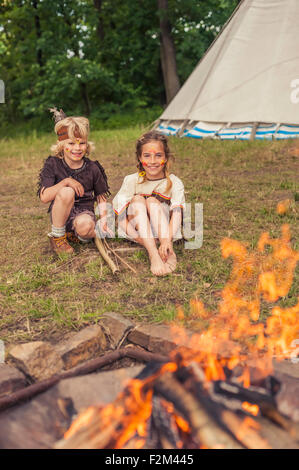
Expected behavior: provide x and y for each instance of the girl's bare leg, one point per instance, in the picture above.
(138, 227)
(160, 220)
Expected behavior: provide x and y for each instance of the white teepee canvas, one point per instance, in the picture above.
(247, 83)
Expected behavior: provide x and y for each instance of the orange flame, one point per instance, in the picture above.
(265, 273)
(250, 408)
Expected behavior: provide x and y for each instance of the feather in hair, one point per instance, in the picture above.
(57, 115)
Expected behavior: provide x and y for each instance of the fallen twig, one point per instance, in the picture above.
(69, 261)
(131, 248)
(104, 254)
(120, 258)
(90, 366)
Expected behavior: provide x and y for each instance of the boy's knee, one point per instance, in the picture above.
(84, 225)
(66, 194)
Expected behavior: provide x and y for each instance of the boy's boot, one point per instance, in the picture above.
(60, 245)
(71, 237)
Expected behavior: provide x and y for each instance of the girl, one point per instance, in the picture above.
(72, 183)
(149, 203)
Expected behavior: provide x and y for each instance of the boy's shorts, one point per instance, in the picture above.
(75, 211)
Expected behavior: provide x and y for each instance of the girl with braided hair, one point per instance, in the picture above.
(149, 203)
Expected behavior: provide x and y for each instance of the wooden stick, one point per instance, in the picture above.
(131, 248)
(90, 366)
(205, 430)
(92, 436)
(120, 258)
(104, 254)
(248, 436)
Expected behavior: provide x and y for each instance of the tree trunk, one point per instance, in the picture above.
(100, 27)
(167, 53)
(85, 98)
(38, 35)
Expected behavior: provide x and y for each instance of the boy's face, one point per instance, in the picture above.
(74, 150)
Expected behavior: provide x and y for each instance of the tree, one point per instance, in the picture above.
(100, 57)
(168, 56)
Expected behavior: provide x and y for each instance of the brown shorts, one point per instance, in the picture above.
(75, 211)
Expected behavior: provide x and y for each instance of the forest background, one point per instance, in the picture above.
(118, 62)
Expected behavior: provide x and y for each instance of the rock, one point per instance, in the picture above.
(163, 339)
(11, 380)
(287, 399)
(115, 327)
(287, 367)
(156, 338)
(36, 424)
(39, 423)
(96, 389)
(37, 359)
(82, 346)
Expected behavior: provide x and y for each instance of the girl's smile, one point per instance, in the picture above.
(153, 159)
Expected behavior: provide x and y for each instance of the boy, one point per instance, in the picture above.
(71, 182)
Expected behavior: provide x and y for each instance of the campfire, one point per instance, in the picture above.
(219, 392)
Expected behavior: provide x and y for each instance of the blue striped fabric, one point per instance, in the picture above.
(263, 131)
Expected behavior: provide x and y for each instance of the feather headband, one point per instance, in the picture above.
(63, 131)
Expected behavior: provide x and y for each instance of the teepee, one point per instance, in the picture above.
(247, 84)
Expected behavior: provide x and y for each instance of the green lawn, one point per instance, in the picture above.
(43, 297)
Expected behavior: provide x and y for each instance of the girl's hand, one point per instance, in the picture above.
(77, 187)
(165, 250)
(103, 226)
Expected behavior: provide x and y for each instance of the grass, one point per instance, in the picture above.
(44, 298)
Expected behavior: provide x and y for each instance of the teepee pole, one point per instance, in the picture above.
(253, 131)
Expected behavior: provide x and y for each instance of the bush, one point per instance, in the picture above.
(108, 117)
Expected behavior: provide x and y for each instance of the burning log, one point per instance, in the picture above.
(173, 407)
(205, 430)
(267, 406)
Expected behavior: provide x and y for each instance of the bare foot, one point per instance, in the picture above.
(158, 268)
(171, 262)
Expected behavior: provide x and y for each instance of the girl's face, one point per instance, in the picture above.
(153, 159)
(74, 150)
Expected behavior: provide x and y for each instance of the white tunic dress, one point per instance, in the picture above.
(132, 186)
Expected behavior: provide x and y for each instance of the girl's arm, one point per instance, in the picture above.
(166, 247)
(177, 205)
(175, 222)
(102, 205)
(49, 194)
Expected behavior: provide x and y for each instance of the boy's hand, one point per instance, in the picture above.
(77, 187)
(165, 250)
